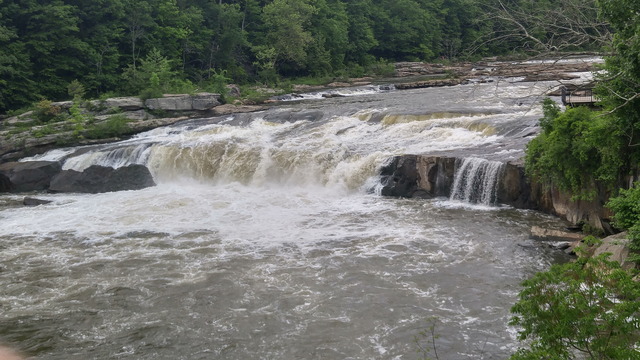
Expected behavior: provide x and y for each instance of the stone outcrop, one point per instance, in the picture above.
(99, 179)
(182, 102)
(418, 176)
(430, 176)
(429, 83)
(27, 176)
(233, 109)
(541, 233)
(618, 248)
(129, 103)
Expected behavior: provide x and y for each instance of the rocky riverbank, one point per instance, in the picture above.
(489, 71)
(73, 123)
(433, 176)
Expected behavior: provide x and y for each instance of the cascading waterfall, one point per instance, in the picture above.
(476, 181)
(115, 158)
(261, 240)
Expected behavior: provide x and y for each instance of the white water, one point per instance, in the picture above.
(476, 181)
(262, 239)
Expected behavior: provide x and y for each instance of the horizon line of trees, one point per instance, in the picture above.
(120, 46)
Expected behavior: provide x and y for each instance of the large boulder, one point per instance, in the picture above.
(99, 179)
(28, 175)
(418, 176)
(617, 246)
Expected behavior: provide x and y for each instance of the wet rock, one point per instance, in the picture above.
(541, 233)
(418, 176)
(5, 183)
(400, 177)
(428, 176)
(549, 77)
(29, 201)
(99, 179)
(28, 176)
(233, 109)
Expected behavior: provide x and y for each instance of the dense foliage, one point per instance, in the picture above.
(581, 150)
(584, 309)
(122, 46)
(577, 150)
(626, 208)
(590, 308)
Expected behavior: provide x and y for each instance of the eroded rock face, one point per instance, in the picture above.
(431, 176)
(99, 179)
(27, 176)
(418, 176)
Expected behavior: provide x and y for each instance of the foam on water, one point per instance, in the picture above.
(260, 242)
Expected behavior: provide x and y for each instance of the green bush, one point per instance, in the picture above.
(584, 309)
(576, 150)
(381, 68)
(114, 126)
(45, 111)
(626, 208)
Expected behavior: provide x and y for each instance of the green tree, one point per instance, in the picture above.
(360, 32)
(154, 73)
(619, 86)
(584, 309)
(329, 27)
(406, 30)
(287, 23)
(102, 27)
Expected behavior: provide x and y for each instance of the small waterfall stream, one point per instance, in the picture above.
(476, 181)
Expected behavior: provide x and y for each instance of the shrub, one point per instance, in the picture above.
(114, 126)
(626, 208)
(576, 150)
(45, 111)
(76, 90)
(583, 309)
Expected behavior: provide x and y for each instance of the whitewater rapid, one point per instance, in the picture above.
(265, 238)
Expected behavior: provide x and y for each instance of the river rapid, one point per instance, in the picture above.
(266, 238)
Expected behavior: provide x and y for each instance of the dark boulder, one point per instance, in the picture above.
(400, 177)
(28, 175)
(5, 183)
(98, 179)
(29, 201)
(418, 176)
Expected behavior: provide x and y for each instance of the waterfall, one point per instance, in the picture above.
(476, 181)
(112, 157)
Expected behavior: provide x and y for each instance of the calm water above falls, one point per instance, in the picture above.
(265, 239)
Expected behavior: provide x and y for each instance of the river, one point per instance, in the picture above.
(266, 238)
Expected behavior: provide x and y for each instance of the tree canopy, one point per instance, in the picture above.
(44, 46)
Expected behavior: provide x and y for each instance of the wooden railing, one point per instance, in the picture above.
(582, 97)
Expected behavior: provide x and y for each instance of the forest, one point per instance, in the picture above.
(118, 47)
